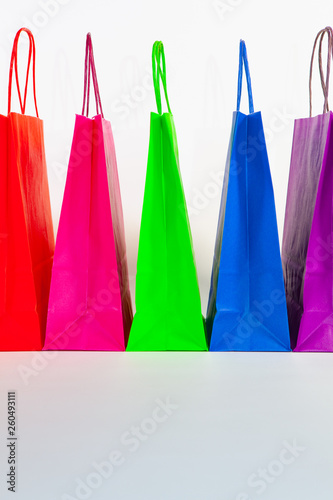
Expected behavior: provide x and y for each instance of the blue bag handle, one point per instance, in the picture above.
(243, 59)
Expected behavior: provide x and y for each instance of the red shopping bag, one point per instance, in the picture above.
(26, 231)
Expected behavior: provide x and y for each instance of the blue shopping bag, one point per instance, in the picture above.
(247, 305)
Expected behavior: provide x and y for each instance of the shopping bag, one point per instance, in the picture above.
(90, 305)
(307, 241)
(247, 306)
(168, 309)
(26, 231)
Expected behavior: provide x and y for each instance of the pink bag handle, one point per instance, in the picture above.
(325, 85)
(13, 60)
(90, 69)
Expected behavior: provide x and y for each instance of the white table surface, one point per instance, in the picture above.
(225, 435)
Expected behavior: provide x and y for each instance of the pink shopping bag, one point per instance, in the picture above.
(90, 305)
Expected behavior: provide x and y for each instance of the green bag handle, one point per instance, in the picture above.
(158, 60)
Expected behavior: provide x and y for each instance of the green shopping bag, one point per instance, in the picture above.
(168, 309)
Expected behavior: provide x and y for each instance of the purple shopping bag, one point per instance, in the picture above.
(307, 250)
(90, 306)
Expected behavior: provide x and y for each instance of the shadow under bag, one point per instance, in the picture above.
(247, 306)
(90, 305)
(26, 230)
(168, 308)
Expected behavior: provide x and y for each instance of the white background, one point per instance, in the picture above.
(201, 39)
(235, 411)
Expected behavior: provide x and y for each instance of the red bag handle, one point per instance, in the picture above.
(13, 60)
(90, 69)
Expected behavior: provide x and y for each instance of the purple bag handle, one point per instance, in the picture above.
(325, 85)
(90, 69)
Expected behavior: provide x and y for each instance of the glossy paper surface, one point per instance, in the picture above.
(168, 309)
(247, 305)
(85, 307)
(309, 142)
(316, 325)
(27, 242)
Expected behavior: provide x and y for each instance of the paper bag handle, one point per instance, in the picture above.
(243, 61)
(159, 72)
(325, 84)
(13, 65)
(90, 70)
